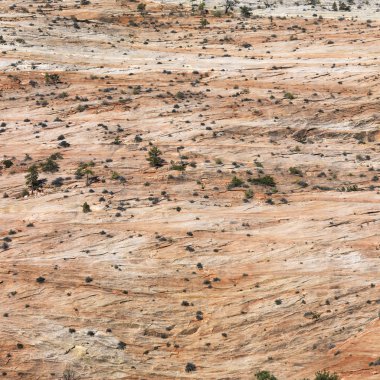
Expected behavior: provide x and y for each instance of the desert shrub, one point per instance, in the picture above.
(325, 375)
(117, 141)
(8, 163)
(235, 182)
(248, 194)
(245, 11)
(265, 375)
(49, 166)
(51, 78)
(375, 363)
(64, 144)
(86, 207)
(190, 367)
(344, 7)
(56, 156)
(177, 166)
(303, 184)
(203, 22)
(57, 182)
(289, 95)
(295, 171)
(264, 181)
(69, 374)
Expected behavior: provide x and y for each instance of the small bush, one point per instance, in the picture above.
(177, 166)
(190, 367)
(8, 163)
(58, 182)
(245, 11)
(235, 182)
(295, 171)
(248, 194)
(86, 207)
(289, 95)
(69, 374)
(325, 375)
(49, 166)
(51, 79)
(264, 181)
(265, 375)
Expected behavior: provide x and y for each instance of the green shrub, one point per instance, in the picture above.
(245, 11)
(177, 166)
(49, 166)
(289, 95)
(51, 78)
(264, 181)
(86, 207)
(325, 375)
(265, 375)
(295, 171)
(8, 163)
(235, 182)
(248, 194)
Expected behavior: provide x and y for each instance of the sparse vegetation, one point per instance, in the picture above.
(183, 185)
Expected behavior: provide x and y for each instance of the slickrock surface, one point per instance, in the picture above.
(173, 267)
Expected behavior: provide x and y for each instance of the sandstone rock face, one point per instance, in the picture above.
(255, 246)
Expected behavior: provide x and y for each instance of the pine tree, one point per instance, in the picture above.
(154, 158)
(84, 170)
(32, 177)
(87, 172)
